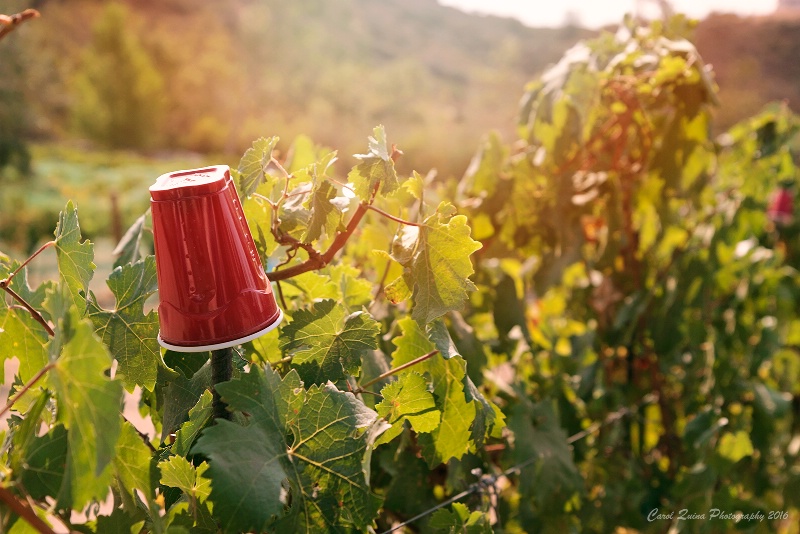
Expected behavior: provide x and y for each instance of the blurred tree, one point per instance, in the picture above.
(14, 118)
(118, 92)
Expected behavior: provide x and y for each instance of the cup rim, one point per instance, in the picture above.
(224, 344)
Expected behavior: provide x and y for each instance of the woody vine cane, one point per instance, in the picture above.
(214, 293)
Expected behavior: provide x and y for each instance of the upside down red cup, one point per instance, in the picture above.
(212, 287)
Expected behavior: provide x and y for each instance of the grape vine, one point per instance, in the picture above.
(597, 321)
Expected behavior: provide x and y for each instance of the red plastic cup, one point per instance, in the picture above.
(212, 287)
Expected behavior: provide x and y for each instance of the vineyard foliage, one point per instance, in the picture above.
(598, 320)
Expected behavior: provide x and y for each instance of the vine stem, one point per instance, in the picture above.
(26, 387)
(24, 511)
(221, 371)
(9, 22)
(397, 369)
(34, 313)
(318, 262)
(6, 282)
(286, 359)
(393, 217)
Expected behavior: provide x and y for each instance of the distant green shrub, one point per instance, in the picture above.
(13, 112)
(118, 91)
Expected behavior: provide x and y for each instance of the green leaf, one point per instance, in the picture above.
(268, 399)
(318, 440)
(25, 431)
(89, 404)
(246, 475)
(128, 333)
(325, 215)
(489, 419)
(460, 521)
(436, 258)
(128, 248)
(735, 446)
(22, 337)
(415, 185)
(407, 399)
(326, 343)
(199, 416)
(181, 395)
(355, 291)
(133, 463)
(481, 177)
(452, 439)
(553, 478)
(45, 460)
(75, 265)
(397, 291)
(254, 165)
(177, 472)
(302, 153)
(376, 167)
(412, 343)
(312, 285)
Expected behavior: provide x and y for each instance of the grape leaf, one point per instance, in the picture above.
(452, 438)
(437, 264)
(177, 472)
(313, 167)
(325, 215)
(480, 178)
(199, 416)
(460, 521)
(735, 446)
(354, 290)
(293, 213)
(89, 404)
(553, 479)
(21, 336)
(318, 440)
(407, 399)
(25, 430)
(128, 248)
(134, 466)
(415, 185)
(128, 333)
(375, 167)
(254, 165)
(326, 343)
(246, 475)
(45, 459)
(75, 265)
(312, 285)
(489, 420)
(181, 395)
(411, 343)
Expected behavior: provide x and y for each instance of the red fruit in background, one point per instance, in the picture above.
(781, 207)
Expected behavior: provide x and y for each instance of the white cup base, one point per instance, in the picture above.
(224, 345)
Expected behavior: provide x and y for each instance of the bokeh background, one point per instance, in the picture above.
(97, 98)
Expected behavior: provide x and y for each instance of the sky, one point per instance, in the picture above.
(596, 13)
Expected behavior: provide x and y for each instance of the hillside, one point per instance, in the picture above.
(437, 78)
(332, 70)
(754, 60)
